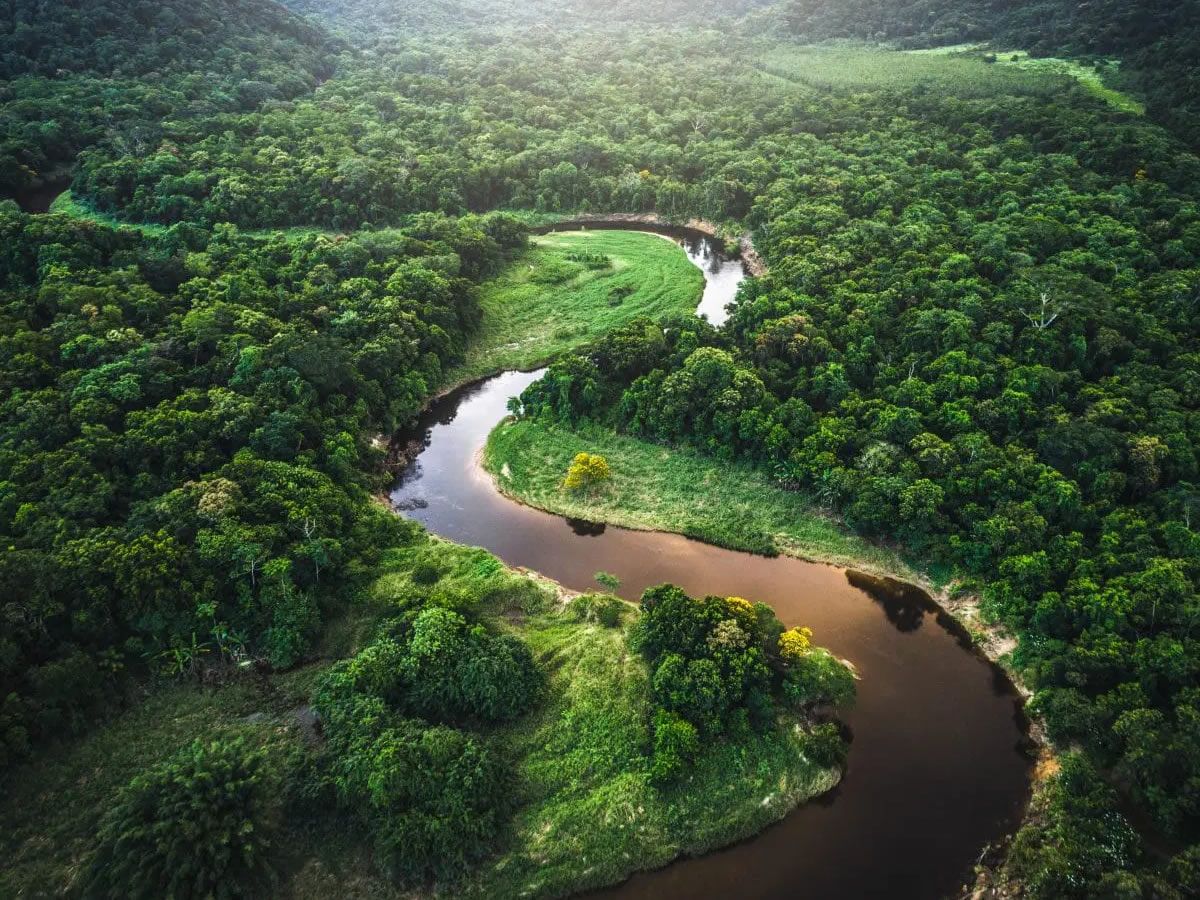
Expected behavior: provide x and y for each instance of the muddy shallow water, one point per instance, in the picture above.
(936, 769)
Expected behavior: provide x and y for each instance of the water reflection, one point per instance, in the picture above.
(584, 528)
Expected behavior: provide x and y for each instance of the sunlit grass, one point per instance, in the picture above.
(545, 304)
(677, 490)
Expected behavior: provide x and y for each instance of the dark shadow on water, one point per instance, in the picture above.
(584, 528)
(905, 605)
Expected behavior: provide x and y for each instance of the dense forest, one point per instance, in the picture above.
(978, 339)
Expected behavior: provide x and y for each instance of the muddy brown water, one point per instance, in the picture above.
(936, 768)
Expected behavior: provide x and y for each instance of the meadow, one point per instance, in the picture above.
(546, 303)
(677, 490)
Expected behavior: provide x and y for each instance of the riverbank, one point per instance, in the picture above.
(570, 288)
(655, 488)
(587, 814)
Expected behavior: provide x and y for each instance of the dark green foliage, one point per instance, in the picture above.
(1078, 841)
(818, 677)
(442, 669)
(676, 744)
(181, 460)
(433, 798)
(826, 746)
(716, 664)
(198, 826)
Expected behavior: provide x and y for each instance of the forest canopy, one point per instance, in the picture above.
(978, 336)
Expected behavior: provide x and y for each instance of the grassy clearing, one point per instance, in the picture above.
(675, 490)
(862, 68)
(1091, 77)
(587, 814)
(545, 303)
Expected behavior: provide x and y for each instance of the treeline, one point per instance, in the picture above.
(989, 353)
(183, 438)
(1158, 42)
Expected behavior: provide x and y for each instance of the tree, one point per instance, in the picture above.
(587, 472)
(198, 825)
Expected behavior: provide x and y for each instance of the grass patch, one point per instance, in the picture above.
(678, 490)
(840, 67)
(545, 303)
(590, 815)
(1091, 77)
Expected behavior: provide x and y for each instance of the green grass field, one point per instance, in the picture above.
(676, 490)
(850, 67)
(591, 816)
(545, 304)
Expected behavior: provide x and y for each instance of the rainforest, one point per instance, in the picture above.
(491, 449)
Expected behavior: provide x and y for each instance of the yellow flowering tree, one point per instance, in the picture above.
(587, 471)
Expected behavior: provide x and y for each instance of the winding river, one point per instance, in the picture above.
(936, 770)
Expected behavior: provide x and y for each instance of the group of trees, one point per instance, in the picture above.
(183, 449)
(402, 755)
(719, 665)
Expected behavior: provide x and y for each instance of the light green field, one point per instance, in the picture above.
(592, 817)
(677, 490)
(1091, 77)
(544, 304)
(847, 67)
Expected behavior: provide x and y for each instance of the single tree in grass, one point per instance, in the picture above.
(587, 472)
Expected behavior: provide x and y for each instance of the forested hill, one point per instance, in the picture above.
(245, 38)
(75, 74)
(1158, 41)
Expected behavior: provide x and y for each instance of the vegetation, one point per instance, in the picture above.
(674, 489)
(978, 338)
(552, 299)
(198, 825)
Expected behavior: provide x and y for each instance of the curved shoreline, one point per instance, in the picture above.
(754, 265)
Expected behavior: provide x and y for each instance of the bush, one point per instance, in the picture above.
(824, 745)
(817, 676)
(443, 669)
(198, 825)
(603, 609)
(676, 745)
(433, 797)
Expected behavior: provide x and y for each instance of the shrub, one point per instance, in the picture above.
(444, 670)
(603, 609)
(817, 676)
(587, 471)
(676, 745)
(824, 745)
(198, 825)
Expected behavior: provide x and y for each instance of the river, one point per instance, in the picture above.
(936, 770)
